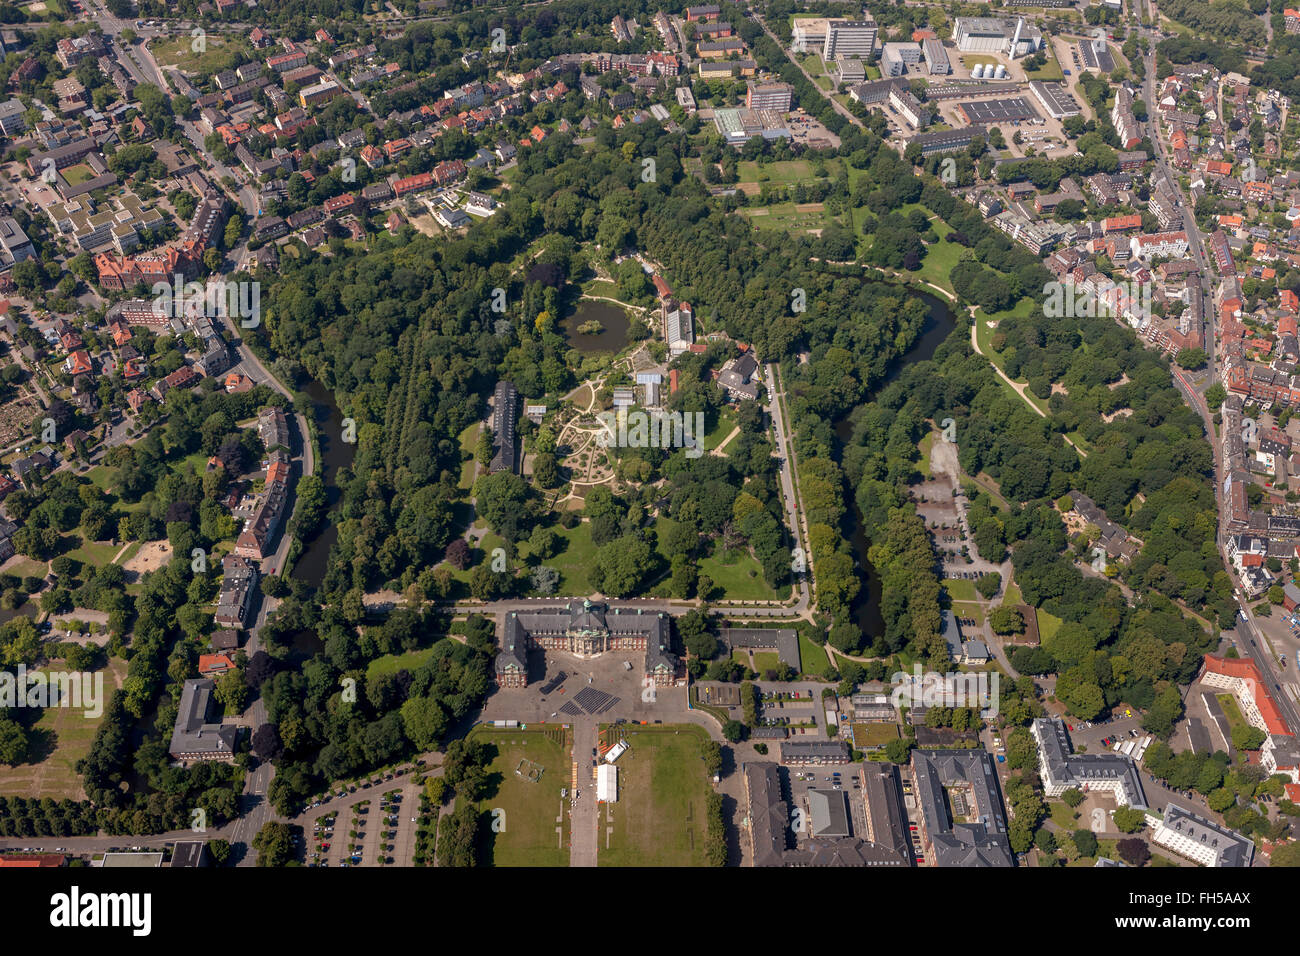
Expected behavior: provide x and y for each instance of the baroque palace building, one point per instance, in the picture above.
(587, 629)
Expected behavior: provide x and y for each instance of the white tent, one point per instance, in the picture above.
(616, 751)
(607, 783)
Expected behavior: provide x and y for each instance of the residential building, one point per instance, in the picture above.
(1193, 836)
(1061, 769)
(953, 784)
(199, 733)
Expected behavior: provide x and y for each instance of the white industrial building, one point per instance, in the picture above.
(1014, 38)
(896, 58)
(809, 34)
(936, 58)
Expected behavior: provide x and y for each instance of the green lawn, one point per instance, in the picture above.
(961, 590)
(180, 52)
(392, 663)
(532, 811)
(573, 562)
(812, 657)
(940, 259)
(61, 737)
(1063, 816)
(78, 174)
(870, 736)
(659, 818)
(739, 575)
(1048, 624)
(29, 568)
(927, 442)
(786, 217)
(1231, 711)
(766, 661)
(96, 553)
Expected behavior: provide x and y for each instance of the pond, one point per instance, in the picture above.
(938, 326)
(613, 319)
(335, 454)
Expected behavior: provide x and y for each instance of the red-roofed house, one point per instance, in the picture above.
(78, 363)
(1121, 224)
(214, 665)
(662, 288)
(1290, 301)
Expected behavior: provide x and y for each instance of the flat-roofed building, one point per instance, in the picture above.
(769, 96)
(846, 38)
(1055, 99)
(936, 57)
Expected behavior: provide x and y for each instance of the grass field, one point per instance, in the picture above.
(179, 52)
(1231, 711)
(866, 736)
(659, 819)
(62, 736)
(392, 663)
(1048, 624)
(533, 811)
(961, 590)
(812, 657)
(787, 216)
(940, 258)
(78, 174)
(574, 560)
(96, 553)
(468, 443)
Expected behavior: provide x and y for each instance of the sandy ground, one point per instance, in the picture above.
(150, 557)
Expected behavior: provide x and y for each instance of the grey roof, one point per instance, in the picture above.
(784, 641)
(590, 616)
(505, 409)
(768, 814)
(830, 813)
(1229, 846)
(979, 842)
(196, 732)
(1059, 766)
(834, 750)
(886, 816)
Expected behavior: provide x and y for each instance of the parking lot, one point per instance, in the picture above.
(845, 781)
(380, 816)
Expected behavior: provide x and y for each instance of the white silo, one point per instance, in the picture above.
(977, 72)
(1001, 72)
